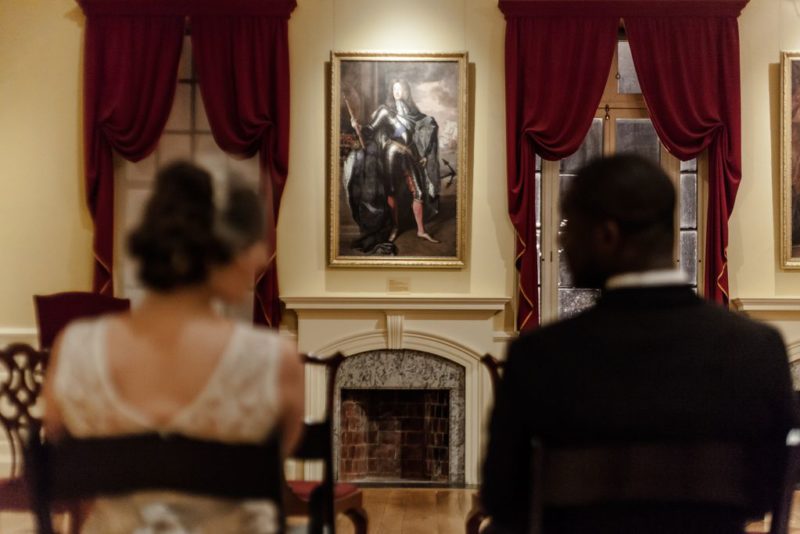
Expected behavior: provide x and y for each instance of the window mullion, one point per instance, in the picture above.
(672, 166)
(550, 225)
(702, 219)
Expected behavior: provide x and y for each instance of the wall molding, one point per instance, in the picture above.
(19, 334)
(776, 304)
(469, 304)
(781, 313)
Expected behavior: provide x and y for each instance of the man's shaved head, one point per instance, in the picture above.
(620, 218)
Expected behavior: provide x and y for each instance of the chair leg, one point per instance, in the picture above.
(474, 520)
(358, 516)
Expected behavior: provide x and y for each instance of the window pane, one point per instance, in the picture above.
(538, 185)
(628, 81)
(592, 147)
(141, 171)
(689, 254)
(200, 118)
(135, 200)
(565, 182)
(210, 156)
(688, 201)
(564, 276)
(539, 257)
(174, 146)
(689, 166)
(638, 136)
(247, 169)
(180, 116)
(573, 301)
(185, 65)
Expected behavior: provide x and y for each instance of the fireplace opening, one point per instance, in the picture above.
(395, 434)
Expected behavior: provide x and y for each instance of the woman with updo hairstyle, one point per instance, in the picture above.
(173, 364)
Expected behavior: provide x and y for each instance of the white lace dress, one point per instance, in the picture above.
(239, 403)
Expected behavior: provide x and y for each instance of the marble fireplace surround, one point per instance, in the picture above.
(406, 369)
(457, 329)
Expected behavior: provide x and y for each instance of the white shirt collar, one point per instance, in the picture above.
(656, 277)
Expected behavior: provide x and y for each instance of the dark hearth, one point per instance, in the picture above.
(395, 434)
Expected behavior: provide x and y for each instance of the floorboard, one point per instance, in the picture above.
(402, 511)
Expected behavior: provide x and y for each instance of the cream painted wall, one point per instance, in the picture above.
(319, 26)
(45, 235)
(46, 232)
(766, 28)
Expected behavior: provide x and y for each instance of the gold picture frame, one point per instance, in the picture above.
(399, 174)
(790, 160)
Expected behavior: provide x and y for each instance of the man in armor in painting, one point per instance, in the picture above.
(401, 153)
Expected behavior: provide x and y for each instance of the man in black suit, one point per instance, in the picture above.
(651, 362)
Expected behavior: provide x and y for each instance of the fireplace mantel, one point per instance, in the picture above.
(460, 329)
(452, 304)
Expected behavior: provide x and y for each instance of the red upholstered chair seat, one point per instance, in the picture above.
(303, 488)
(14, 494)
(317, 444)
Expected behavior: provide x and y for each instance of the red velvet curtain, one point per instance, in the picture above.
(688, 69)
(131, 66)
(558, 55)
(131, 62)
(556, 70)
(243, 69)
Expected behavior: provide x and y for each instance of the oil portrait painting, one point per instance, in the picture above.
(399, 180)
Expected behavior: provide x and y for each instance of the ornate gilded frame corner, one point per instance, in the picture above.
(383, 66)
(790, 159)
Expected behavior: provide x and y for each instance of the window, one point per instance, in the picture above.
(621, 124)
(187, 136)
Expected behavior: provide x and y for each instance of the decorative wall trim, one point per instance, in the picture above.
(19, 334)
(781, 313)
(394, 331)
(749, 305)
(397, 303)
(504, 337)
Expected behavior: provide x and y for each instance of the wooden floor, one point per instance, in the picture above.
(401, 511)
(418, 511)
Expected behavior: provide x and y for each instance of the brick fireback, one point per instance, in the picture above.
(394, 434)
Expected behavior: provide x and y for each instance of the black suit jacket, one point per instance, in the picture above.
(645, 364)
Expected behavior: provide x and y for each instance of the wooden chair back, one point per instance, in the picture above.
(782, 508)
(54, 312)
(317, 444)
(494, 367)
(22, 370)
(77, 469)
(713, 473)
(476, 515)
